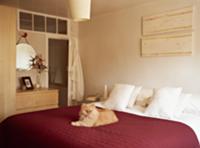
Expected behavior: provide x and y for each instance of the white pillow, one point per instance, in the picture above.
(134, 95)
(139, 108)
(164, 102)
(119, 97)
(193, 106)
(182, 103)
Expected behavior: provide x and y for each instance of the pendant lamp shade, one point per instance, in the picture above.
(80, 9)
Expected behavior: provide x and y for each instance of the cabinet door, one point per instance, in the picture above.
(26, 21)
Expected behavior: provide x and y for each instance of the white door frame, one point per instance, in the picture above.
(72, 34)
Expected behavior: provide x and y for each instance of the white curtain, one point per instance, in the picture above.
(76, 81)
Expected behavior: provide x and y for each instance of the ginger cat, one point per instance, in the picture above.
(90, 116)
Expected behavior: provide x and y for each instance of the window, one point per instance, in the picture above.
(25, 21)
(42, 23)
(39, 23)
(62, 26)
(51, 25)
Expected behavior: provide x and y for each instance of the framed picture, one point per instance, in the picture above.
(27, 82)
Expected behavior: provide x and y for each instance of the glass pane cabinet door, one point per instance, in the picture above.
(39, 23)
(62, 26)
(51, 25)
(25, 21)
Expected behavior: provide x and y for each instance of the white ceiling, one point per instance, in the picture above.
(105, 6)
(59, 7)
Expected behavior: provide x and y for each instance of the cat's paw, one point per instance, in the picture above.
(75, 123)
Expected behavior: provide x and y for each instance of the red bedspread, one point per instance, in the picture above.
(52, 129)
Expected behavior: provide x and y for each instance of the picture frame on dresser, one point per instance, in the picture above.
(27, 82)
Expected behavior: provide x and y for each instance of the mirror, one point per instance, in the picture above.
(24, 53)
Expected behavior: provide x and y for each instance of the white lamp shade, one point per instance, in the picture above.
(80, 9)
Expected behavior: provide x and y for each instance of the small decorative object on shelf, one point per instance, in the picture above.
(37, 63)
(91, 99)
(105, 93)
(27, 83)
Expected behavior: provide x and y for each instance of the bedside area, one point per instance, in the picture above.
(89, 99)
(35, 100)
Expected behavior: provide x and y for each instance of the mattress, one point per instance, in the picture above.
(52, 129)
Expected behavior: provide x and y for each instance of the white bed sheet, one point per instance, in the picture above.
(191, 120)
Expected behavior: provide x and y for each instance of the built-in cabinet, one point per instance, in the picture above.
(7, 61)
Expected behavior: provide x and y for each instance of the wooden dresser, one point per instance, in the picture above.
(34, 100)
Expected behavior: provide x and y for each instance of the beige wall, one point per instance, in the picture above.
(110, 51)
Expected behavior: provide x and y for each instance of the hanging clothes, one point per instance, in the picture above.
(76, 80)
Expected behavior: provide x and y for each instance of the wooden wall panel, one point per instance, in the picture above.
(7, 60)
(1, 89)
(168, 22)
(167, 45)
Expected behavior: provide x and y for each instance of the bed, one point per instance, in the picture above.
(52, 129)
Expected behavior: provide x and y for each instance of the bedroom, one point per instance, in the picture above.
(110, 49)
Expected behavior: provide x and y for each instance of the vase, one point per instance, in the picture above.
(38, 80)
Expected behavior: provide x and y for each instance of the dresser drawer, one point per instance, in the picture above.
(44, 99)
(36, 100)
(31, 109)
(24, 101)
